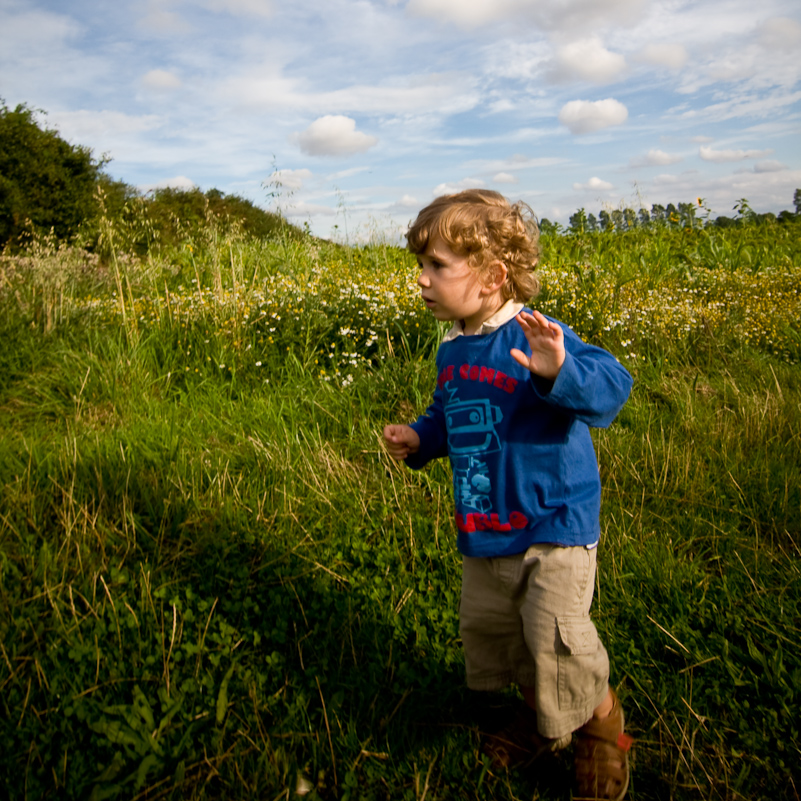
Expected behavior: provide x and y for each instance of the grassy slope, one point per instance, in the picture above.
(211, 584)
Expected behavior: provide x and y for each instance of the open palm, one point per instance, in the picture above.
(547, 343)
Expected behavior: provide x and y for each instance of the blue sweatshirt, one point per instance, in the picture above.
(524, 465)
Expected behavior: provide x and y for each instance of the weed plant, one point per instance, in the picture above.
(215, 584)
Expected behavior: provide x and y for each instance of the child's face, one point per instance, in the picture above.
(451, 289)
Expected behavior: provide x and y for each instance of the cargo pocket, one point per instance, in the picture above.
(577, 657)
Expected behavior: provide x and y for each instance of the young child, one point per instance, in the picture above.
(516, 394)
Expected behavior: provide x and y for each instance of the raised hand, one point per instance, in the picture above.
(547, 343)
(401, 440)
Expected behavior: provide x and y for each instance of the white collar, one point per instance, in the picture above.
(509, 310)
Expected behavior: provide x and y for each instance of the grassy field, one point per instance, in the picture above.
(215, 584)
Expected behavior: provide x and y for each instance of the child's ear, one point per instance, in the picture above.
(495, 276)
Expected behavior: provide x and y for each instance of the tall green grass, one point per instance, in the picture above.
(215, 584)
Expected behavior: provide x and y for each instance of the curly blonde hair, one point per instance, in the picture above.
(484, 227)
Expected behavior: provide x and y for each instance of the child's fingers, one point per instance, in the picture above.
(525, 319)
(545, 325)
(400, 441)
(547, 328)
(520, 357)
(396, 448)
(534, 323)
(396, 452)
(394, 433)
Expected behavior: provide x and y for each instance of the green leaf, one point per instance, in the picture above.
(150, 762)
(143, 709)
(222, 696)
(118, 733)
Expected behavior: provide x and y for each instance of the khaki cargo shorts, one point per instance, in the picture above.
(525, 619)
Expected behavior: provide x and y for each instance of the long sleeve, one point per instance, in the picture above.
(431, 429)
(592, 385)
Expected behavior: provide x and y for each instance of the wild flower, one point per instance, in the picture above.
(348, 309)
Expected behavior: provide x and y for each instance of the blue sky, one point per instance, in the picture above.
(359, 112)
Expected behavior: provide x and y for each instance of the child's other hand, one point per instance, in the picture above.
(547, 343)
(401, 441)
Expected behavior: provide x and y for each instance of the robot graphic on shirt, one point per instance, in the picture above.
(471, 435)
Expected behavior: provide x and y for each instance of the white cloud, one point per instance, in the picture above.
(452, 187)
(665, 179)
(569, 16)
(780, 33)
(501, 106)
(264, 86)
(288, 179)
(41, 59)
(304, 209)
(737, 66)
(721, 156)
(408, 202)
(655, 158)
(746, 52)
(336, 176)
(673, 56)
(159, 20)
(594, 184)
(254, 8)
(516, 162)
(745, 105)
(35, 30)
(518, 60)
(178, 182)
(769, 166)
(449, 93)
(587, 60)
(553, 15)
(586, 116)
(161, 80)
(334, 135)
(464, 13)
(83, 126)
(504, 178)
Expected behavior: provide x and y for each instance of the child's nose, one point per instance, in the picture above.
(423, 279)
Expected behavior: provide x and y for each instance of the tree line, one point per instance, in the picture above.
(681, 215)
(49, 185)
